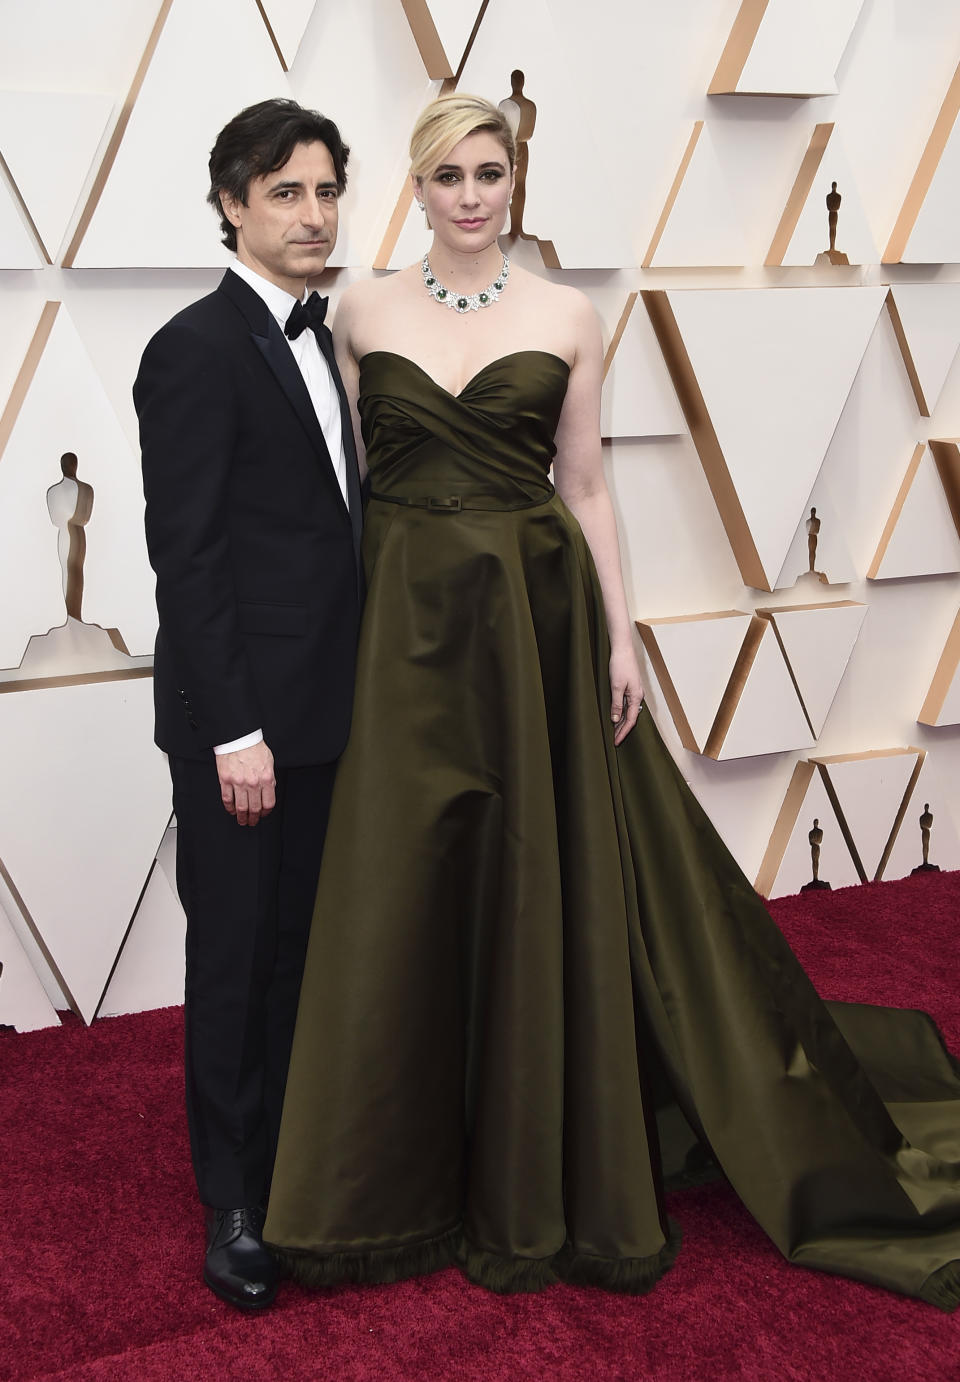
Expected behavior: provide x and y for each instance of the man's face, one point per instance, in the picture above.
(289, 224)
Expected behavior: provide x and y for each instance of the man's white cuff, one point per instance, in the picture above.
(247, 742)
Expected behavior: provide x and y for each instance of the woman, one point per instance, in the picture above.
(530, 948)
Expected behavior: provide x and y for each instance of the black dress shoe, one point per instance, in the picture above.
(238, 1268)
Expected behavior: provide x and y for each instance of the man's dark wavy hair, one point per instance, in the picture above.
(258, 141)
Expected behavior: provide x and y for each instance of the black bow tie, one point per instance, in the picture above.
(304, 314)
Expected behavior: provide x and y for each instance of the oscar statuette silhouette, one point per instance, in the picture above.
(832, 255)
(815, 837)
(926, 825)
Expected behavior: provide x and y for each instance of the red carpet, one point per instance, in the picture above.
(100, 1244)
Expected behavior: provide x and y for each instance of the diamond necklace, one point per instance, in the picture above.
(464, 302)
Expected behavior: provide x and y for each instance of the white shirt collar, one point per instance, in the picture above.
(279, 302)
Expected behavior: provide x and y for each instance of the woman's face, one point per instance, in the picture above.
(467, 197)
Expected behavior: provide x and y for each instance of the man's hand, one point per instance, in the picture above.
(247, 783)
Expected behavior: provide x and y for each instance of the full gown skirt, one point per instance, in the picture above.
(537, 982)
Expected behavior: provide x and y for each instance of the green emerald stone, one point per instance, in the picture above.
(499, 287)
(484, 299)
(431, 282)
(442, 294)
(462, 302)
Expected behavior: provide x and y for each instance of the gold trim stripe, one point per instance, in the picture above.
(737, 49)
(923, 177)
(75, 679)
(784, 827)
(946, 456)
(283, 63)
(898, 330)
(672, 195)
(799, 193)
(21, 202)
(742, 668)
(116, 138)
(896, 511)
(28, 369)
(705, 438)
(42, 946)
(618, 333)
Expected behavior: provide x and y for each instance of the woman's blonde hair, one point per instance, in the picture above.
(449, 119)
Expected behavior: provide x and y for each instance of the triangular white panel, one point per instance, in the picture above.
(775, 367)
(874, 437)
(935, 238)
(817, 642)
(85, 830)
(66, 410)
(935, 792)
(23, 1003)
(149, 972)
(768, 717)
(702, 226)
(224, 65)
(811, 235)
(698, 653)
(870, 790)
(836, 865)
(18, 248)
(638, 397)
(50, 172)
(923, 540)
(929, 314)
(524, 37)
(798, 48)
(288, 20)
(833, 562)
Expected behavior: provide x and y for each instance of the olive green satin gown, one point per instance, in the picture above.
(537, 982)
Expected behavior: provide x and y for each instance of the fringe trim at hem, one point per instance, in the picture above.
(632, 1276)
(942, 1289)
(515, 1275)
(506, 1275)
(510, 1275)
(378, 1266)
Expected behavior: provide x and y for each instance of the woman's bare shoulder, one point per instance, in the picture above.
(564, 314)
(560, 298)
(369, 301)
(379, 289)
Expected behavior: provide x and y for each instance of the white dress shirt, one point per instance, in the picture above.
(323, 395)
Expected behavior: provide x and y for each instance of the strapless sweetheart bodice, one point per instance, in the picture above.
(495, 437)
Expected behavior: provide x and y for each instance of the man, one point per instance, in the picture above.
(253, 527)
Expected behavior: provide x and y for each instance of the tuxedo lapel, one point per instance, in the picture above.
(349, 447)
(278, 355)
(272, 345)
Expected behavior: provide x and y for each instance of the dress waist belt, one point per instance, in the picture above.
(454, 503)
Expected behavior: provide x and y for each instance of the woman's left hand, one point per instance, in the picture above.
(626, 691)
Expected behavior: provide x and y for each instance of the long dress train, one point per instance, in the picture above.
(537, 981)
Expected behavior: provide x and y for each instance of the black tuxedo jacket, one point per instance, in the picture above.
(256, 555)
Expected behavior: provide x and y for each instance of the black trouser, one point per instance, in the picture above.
(248, 893)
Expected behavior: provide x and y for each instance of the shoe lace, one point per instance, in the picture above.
(233, 1222)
